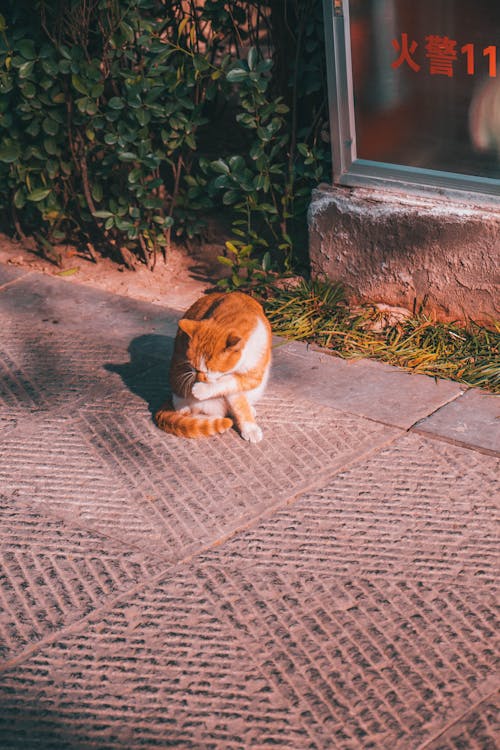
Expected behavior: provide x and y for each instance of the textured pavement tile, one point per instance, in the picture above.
(369, 389)
(478, 729)
(43, 367)
(41, 372)
(53, 573)
(418, 508)
(164, 671)
(197, 491)
(51, 355)
(103, 462)
(37, 299)
(49, 465)
(218, 656)
(473, 419)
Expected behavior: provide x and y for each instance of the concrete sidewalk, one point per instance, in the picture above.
(330, 587)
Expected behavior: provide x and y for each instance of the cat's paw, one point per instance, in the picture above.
(202, 391)
(251, 432)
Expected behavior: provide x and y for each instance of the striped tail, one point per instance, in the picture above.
(189, 426)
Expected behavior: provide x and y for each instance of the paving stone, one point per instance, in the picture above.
(53, 573)
(165, 671)
(45, 368)
(178, 494)
(419, 508)
(364, 387)
(42, 372)
(225, 657)
(40, 299)
(473, 419)
(50, 466)
(198, 491)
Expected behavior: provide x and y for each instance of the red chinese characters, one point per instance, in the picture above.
(442, 55)
(405, 53)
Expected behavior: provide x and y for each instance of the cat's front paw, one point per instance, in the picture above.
(251, 432)
(202, 391)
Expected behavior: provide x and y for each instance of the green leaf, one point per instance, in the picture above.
(266, 261)
(225, 261)
(127, 31)
(237, 163)
(97, 192)
(33, 128)
(134, 175)
(10, 152)
(52, 167)
(3, 24)
(28, 89)
(143, 117)
(102, 214)
(27, 49)
(116, 103)
(237, 75)
(96, 90)
(79, 85)
(50, 126)
(26, 68)
(19, 198)
(64, 66)
(252, 58)
(50, 67)
(230, 197)
(123, 224)
(39, 194)
(50, 146)
(68, 271)
(220, 166)
(127, 156)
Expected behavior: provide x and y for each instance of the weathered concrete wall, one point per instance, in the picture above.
(395, 248)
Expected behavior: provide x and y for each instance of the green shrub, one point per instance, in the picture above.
(110, 112)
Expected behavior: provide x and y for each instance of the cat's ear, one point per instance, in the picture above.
(188, 326)
(233, 341)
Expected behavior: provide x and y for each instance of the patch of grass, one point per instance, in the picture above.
(317, 312)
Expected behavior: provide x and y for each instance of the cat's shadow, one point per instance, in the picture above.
(146, 374)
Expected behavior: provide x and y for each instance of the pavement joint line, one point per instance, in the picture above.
(412, 428)
(231, 531)
(438, 408)
(177, 564)
(22, 277)
(429, 742)
(456, 442)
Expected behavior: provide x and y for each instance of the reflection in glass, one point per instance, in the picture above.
(426, 79)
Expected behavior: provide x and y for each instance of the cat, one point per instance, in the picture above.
(220, 367)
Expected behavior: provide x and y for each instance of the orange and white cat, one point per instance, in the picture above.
(220, 367)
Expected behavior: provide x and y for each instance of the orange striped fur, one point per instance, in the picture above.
(219, 368)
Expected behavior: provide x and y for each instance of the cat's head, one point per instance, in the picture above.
(212, 349)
